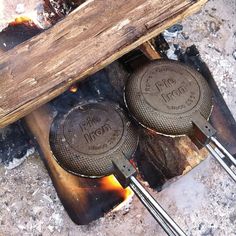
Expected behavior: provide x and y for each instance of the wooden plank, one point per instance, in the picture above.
(94, 35)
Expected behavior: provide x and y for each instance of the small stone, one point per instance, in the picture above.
(232, 218)
(208, 232)
(51, 228)
(175, 28)
(234, 54)
(213, 27)
(200, 226)
(22, 227)
(20, 8)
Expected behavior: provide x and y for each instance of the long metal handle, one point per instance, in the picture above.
(204, 136)
(221, 161)
(125, 172)
(153, 211)
(167, 223)
(223, 150)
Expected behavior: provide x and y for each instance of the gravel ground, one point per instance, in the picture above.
(203, 202)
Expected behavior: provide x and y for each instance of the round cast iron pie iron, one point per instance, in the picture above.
(174, 99)
(96, 139)
(85, 139)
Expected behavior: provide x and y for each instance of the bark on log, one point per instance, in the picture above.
(95, 34)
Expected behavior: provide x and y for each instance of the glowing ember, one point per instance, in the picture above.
(192, 155)
(73, 89)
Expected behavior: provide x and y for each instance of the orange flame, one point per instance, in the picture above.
(21, 20)
(110, 183)
(73, 89)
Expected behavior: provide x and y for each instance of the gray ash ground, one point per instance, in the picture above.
(203, 202)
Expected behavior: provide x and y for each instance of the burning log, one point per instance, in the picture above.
(18, 31)
(84, 199)
(77, 46)
(44, 13)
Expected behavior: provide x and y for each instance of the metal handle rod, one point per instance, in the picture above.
(153, 211)
(160, 212)
(223, 150)
(222, 163)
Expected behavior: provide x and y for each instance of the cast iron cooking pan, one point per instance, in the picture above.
(173, 99)
(86, 138)
(95, 139)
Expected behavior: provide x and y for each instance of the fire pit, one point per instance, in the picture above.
(45, 116)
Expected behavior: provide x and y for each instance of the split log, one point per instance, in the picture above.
(149, 51)
(95, 34)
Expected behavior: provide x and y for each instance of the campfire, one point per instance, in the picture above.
(157, 159)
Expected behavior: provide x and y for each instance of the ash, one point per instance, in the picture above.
(15, 145)
(213, 31)
(203, 202)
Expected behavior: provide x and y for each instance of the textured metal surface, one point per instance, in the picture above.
(164, 96)
(86, 138)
